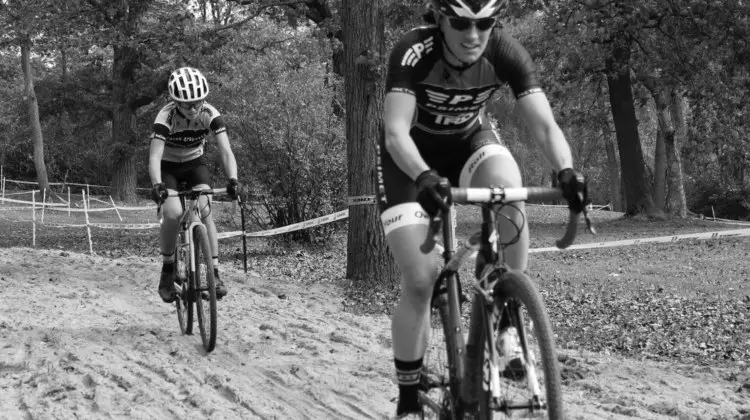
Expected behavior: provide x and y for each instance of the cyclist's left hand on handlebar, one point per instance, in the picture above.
(159, 193)
(233, 188)
(575, 189)
(432, 192)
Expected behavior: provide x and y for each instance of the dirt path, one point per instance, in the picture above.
(87, 337)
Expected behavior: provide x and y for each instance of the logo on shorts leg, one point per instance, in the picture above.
(416, 52)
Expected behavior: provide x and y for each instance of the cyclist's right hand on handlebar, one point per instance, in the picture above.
(159, 193)
(432, 192)
(575, 189)
(233, 188)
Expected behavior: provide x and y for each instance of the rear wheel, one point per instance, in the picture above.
(535, 390)
(444, 357)
(205, 298)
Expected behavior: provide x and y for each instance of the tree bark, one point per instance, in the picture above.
(676, 202)
(633, 168)
(368, 259)
(36, 127)
(124, 129)
(660, 170)
(615, 192)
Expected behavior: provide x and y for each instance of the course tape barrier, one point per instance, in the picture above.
(343, 214)
(67, 183)
(360, 200)
(38, 205)
(732, 233)
(64, 207)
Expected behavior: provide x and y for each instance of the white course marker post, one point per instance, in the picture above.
(115, 206)
(88, 228)
(68, 203)
(44, 203)
(89, 196)
(33, 218)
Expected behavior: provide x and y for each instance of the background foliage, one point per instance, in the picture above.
(275, 73)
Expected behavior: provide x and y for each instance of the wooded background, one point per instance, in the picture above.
(651, 94)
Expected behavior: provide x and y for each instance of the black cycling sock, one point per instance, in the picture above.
(408, 374)
(167, 267)
(167, 261)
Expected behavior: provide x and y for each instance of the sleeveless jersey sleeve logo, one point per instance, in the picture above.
(416, 52)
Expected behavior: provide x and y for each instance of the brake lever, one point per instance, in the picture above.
(433, 234)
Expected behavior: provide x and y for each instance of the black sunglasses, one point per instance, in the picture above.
(461, 24)
(189, 106)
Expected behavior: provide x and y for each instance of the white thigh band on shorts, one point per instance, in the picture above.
(482, 154)
(404, 214)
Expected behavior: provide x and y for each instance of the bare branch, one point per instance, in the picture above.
(257, 13)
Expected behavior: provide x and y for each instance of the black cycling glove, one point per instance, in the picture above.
(233, 188)
(575, 189)
(159, 193)
(432, 192)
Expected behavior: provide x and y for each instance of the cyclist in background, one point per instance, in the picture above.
(439, 79)
(179, 134)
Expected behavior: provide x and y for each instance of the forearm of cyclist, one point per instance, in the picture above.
(538, 115)
(154, 160)
(404, 152)
(229, 163)
(399, 110)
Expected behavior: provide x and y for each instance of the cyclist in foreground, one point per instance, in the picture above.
(179, 134)
(437, 134)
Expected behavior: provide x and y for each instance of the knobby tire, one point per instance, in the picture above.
(183, 304)
(205, 288)
(450, 319)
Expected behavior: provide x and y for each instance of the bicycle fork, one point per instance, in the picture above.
(491, 313)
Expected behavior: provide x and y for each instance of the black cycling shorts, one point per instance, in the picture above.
(448, 156)
(193, 172)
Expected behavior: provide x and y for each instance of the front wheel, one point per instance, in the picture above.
(205, 298)
(182, 303)
(527, 386)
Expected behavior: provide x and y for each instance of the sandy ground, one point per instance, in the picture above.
(85, 337)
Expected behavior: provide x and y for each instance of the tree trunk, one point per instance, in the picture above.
(124, 130)
(677, 202)
(660, 170)
(63, 64)
(33, 107)
(615, 195)
(633, 168)
(368, 259)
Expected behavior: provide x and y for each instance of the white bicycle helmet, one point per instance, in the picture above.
(187, 84)
(472, 9)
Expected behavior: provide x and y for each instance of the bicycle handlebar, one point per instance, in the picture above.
(500, 195)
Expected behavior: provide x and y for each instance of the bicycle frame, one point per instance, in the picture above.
(191, 217)
(485, 242)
